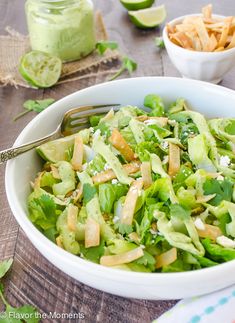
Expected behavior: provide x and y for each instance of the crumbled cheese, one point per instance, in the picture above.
(172, 122)
(220, 178)
(199, 224)
(116, 219)
(153, 232)
(142, 246)
(216, 222)
(106, 166)
(84, 166)
(149, 122)
(97, 134)
(114, 181)
(165, 144)
(225, 242)
(224, 161)
(165, 160)
(92, 129)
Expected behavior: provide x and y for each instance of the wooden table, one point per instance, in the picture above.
(33, 279)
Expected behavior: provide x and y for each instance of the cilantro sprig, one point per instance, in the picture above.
(15, 314)
(128, 64)
(159, 42)
(102, 46)
(34, 105)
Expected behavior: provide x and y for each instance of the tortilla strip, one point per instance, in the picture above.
(213, 42)
(78, 152)
(128, 209)
(202, 34)
(121, 145)
(174, 159)
(220, 49)
(146, 174)
(195, 40)
(109, 174)
(92, 233)
(207, 11)
(185, 27)
(232, 42)
(225, 32)
(182, 39)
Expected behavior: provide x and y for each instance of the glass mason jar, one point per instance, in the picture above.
(64, 28)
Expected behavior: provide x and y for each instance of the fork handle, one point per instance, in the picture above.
(13, 152)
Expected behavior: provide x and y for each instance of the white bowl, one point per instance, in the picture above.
(204, 66)
(209, 99)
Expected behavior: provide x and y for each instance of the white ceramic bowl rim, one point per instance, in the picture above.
(199, 53)
(66, 257)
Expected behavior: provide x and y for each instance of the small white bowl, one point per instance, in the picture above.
(204, 66)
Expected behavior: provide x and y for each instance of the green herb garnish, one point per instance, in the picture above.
(15, 314)
(34, 105)
(127, 65)
(159, 42)
(102, 46)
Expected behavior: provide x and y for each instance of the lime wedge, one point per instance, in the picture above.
(137, 4)
(40, 69)
(56, 150)
(148, 18)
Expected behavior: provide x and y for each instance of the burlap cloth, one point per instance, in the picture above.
(14, 45)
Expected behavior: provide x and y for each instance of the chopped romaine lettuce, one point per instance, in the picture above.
(155, 103)
(216, 252)
(174, 216)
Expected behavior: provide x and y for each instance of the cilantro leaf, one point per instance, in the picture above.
(5, 266)
(102, 46)
(222, 189)
(93, 253)
(38, 105)
(42, 212)
(89, 192)
(35, 105)
(147, 260)
(127, 65)
(159, 42)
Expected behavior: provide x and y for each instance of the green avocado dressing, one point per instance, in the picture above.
(62, 28)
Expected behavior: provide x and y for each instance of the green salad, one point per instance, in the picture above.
(141, 191)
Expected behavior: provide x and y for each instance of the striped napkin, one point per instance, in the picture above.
(218, 307)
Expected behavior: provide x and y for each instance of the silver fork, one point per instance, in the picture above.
(73, 121)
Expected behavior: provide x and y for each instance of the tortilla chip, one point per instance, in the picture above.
(202, 34)
(207, 11)
(225, 32)
(232, 42)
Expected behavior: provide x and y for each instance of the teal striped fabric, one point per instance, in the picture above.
(218, 307)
